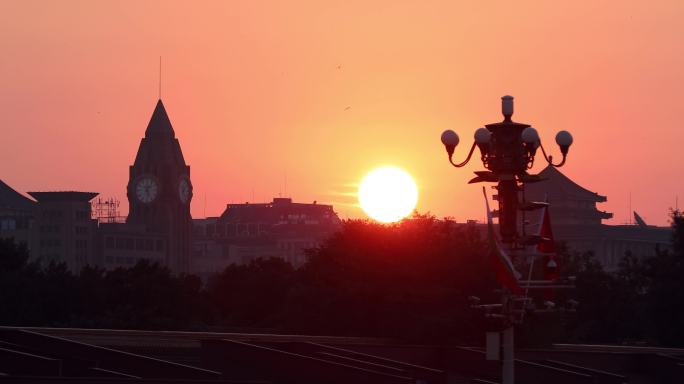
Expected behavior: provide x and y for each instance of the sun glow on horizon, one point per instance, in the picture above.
(388, 194)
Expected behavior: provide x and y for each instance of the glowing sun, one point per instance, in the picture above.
(388, 194)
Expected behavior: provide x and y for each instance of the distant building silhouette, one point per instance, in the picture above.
(247, 231)
(577, 221)
(571, 203)
(159, 190)
(64, 228)
(59, 226)
(121, 245)
(17, 214)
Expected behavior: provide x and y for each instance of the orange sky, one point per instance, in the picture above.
(255, 95)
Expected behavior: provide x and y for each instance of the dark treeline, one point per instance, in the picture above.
(409, 280)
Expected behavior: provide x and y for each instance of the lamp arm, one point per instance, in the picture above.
(470, 154)
(549, 159)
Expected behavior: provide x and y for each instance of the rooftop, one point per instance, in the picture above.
(63, 196)
(276, 211)
(9, 198)
(556, 179)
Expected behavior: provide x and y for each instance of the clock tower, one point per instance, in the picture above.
(159, 190)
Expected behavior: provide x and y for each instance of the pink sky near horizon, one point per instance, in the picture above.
(260, 107)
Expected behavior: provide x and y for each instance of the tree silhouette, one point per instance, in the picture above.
(405, 280)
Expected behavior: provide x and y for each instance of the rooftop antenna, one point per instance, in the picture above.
(160, 78)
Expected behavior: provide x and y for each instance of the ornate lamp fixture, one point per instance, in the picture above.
(507, 150)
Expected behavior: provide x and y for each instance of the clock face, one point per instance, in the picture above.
(146, 190)
(184, 190)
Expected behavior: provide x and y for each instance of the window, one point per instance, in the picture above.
(8, 224)
(160, 245)
(109, 242)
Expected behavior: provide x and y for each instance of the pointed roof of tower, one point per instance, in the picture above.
(159, 123)
(160, 144)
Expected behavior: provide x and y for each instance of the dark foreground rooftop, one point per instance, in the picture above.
(53, 355)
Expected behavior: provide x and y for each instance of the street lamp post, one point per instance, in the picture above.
(507, 151)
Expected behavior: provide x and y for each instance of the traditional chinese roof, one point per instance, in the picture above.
(559, 184)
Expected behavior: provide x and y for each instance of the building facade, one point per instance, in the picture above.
(577, 221)
(123, 245)
(17, 216)
(59, 227)
(64, 228)
(159, 193)
(245, 232)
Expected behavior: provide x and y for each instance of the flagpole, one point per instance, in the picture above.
(507, 336)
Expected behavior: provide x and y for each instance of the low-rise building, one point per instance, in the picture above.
(64, 228)
(17, 214)
(122, 245)
(245, 232)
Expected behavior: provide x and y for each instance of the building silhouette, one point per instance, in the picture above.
(58, 225)
(578, 222)
(159, 190)
(244, 232)
(17, 214)
(571, 203)
(65, 229)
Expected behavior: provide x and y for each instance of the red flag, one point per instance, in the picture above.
(505, 272)
(547, 245)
